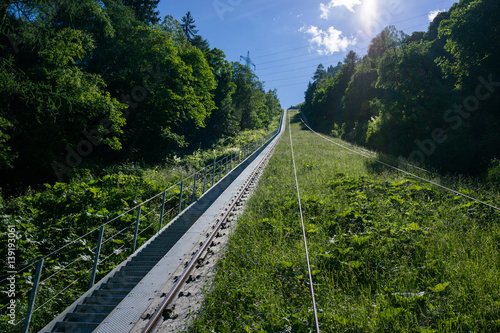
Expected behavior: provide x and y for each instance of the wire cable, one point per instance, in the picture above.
(405, 172)
(303, 229)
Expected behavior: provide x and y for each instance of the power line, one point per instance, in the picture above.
(290, 70)
(268, 55)
(289, 85)
(269, 62)
(288, 78)
(299, 62)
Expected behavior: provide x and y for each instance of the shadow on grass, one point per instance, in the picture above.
(297, 118)
(373, 166)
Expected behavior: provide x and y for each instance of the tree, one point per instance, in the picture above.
(332, 71)
(202, 44)
(188, 27)
(471, 34)
(96, 82)
(45, 94)
(174, 30)
(320, 73)
(350, 60)
(223, 120)
(388, 39)
(145, 10)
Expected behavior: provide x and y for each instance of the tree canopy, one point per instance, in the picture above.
(431, 97)
(90, 83)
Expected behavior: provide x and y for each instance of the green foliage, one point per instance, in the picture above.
(469, 32)
(93, 83)
(494, 172)
(408, 87)
(188, 27)
(6, 156)
(144, 10)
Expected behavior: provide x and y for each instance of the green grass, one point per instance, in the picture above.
(390, 253)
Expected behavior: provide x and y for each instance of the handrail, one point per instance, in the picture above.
(120, 235)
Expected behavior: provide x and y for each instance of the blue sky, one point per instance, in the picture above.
(287, 39)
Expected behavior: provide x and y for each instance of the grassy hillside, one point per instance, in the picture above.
(390, 253)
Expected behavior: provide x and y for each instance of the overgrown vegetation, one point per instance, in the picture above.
(431, 97)
(56, 216)
(390, 253)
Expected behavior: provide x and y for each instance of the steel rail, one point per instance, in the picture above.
(170, 298)
(311, 286)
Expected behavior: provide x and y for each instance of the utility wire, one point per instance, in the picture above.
(280, 52)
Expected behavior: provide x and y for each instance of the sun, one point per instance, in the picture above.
(369, 11)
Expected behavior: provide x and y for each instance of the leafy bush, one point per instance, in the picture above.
(494, 171)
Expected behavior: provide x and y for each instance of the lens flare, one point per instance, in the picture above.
(368, 12)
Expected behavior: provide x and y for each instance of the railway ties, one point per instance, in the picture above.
(201, 254)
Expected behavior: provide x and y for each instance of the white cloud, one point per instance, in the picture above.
(329, 41)
(349, 4)
(434, 13)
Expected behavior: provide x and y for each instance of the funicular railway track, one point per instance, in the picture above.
(221, 223)
(119, 300)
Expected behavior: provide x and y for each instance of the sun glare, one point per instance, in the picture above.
(368, 11)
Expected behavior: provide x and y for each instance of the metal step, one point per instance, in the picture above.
(147, 257)
(105, 300)
(130, 273)
(94, 308)
(119, 285)
(111, 292)
(154, 253)
(122, 280)
(160, 245)
(71, 327)
(85, 317)
(138, 267)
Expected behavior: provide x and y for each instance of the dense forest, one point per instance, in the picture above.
(431, 97)
(94, 83)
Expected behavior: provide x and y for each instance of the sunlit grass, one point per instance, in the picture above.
(390, 253)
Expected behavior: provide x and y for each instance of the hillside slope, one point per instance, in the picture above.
(389, 253)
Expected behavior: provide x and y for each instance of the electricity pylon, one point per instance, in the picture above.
(248, 60)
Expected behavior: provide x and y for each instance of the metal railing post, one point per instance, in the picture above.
(213, 173)
(180, 197)
(162, 209)
(96, 259)
(205, 180)
(136, 227)
(194, 188)
(220, 170)
(34, 290)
